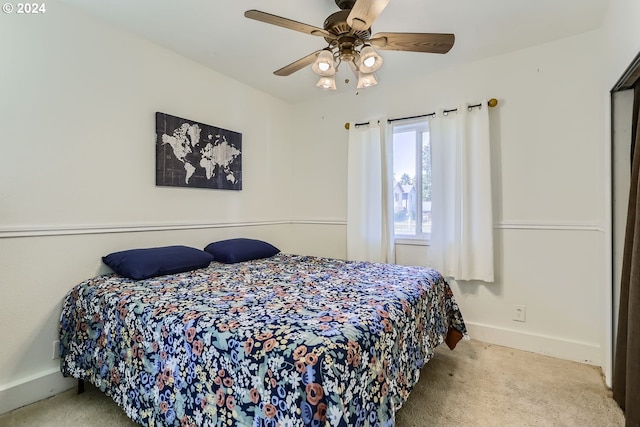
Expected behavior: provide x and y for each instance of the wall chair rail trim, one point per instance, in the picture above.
(555, 225)
(68, 230)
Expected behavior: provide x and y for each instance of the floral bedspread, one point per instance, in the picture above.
(285, 341)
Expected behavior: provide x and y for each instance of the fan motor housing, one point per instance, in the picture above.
(345, 4)
(336, 24)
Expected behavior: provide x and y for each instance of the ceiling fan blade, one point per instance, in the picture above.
(287, 23)
(364, 12)
(414, 42)
(297, 65)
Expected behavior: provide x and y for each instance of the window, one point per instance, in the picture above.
(412, 180)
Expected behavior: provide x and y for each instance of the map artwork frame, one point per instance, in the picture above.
(193, 154)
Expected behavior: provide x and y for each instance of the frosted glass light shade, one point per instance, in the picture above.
(370, 61)
(323, 66)
(327, 82)
(366, 80)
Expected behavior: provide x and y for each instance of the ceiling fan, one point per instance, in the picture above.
(348, 34)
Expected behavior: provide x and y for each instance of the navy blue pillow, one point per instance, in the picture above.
(239, 250)
(141, 264)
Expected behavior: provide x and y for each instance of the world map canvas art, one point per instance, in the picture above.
(192, 154)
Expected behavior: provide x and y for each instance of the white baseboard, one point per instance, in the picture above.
(32, 389)
(576, 351)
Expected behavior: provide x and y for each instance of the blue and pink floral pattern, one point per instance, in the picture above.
(285, 341)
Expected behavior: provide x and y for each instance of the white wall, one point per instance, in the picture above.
(621, 34)
(77, 171)
(79, 102)
(548, 186)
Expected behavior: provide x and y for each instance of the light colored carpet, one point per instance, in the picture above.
(480, 384)
(477, 384)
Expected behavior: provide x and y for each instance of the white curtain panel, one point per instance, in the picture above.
(461, 209)
(369, 211)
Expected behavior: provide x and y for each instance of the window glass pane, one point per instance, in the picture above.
(404, 173)
(426, 183)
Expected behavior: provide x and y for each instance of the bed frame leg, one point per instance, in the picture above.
(80, 386)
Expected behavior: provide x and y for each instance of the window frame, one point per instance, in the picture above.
(420, 127)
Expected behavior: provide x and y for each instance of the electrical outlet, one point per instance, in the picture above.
(56, 350)
(520, 313)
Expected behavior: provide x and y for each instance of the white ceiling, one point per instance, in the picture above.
(216, 34)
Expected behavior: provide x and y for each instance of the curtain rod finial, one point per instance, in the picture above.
(492, 102)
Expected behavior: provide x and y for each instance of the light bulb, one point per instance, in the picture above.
(324, 66)
(370, 61)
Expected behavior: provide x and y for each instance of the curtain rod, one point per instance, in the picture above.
(491, 103)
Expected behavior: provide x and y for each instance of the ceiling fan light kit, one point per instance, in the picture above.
(348, 33)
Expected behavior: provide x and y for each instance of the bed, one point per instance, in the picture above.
(287, 340)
